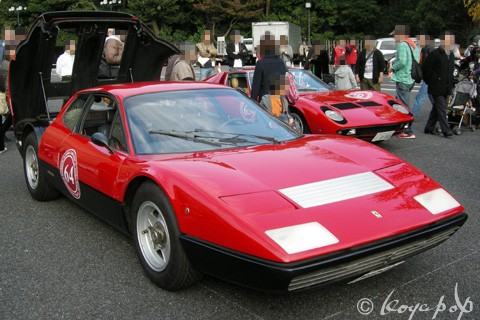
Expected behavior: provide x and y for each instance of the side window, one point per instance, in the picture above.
(117, 137)
(238, 80)
(74, 112)
(99, 117)
(112, 53)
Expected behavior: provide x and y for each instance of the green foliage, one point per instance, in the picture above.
(186, 19)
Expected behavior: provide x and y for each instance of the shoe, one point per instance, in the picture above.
(4, 150)
(431, 132)
(447, 134)
(406, 136)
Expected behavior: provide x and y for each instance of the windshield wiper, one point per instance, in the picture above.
(175, 134)
(236, 136)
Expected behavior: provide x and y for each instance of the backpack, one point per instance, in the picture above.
(417, 73)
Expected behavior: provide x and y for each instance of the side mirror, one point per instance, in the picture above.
(100, 139)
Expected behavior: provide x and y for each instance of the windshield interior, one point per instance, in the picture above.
(307, 81)
(200, 120)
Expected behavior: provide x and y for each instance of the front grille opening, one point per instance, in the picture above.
(369, 263)
(345, 106)
(370, 104)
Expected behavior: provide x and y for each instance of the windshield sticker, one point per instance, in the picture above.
(247, 113)
(364, 95)
(69, 172)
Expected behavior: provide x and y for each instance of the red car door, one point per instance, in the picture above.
(89, 171)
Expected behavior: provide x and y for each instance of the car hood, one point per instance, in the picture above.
(338, 182)
(274, 167)
(33, 94)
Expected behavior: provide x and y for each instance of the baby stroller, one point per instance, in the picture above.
(460, 108)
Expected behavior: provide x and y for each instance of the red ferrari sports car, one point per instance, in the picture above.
(205, 180)
(368, 115)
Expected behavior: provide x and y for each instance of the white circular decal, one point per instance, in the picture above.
(364, 95)
(247, 114)
(69, 172)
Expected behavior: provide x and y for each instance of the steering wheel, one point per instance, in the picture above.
(235, 120)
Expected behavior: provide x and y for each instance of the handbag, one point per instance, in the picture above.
(292, 93)
(3, 104)
(417, 73)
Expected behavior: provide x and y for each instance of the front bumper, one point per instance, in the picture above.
(272, 276)
(368, 133)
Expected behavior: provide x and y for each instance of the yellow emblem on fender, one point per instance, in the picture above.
(376, 214)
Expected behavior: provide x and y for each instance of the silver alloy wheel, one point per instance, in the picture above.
(31, 166)
(297, 123)
(153, 236)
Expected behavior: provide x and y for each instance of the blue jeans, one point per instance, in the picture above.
(206, 72)
(419, 100)
(403, 93)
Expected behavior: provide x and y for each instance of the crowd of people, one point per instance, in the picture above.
(346, 66)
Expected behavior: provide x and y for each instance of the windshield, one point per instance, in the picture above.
(307, 81)
(200, 120)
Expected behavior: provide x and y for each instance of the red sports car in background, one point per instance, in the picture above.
(367, 115)
(204, 179)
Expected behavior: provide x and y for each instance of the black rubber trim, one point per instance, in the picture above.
(266, 275)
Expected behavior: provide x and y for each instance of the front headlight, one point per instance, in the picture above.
(334, 115)
(302, 237)
(400, 108)
(437, 201)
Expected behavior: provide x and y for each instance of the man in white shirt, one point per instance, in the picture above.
(65, 61)
(236, 51)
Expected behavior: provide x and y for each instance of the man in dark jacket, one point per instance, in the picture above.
(237, 52)
(438, 75)
(317, 59)
(370, 66)
(427, 47)
(271, 64)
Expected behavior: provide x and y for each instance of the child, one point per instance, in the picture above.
(344, 78)
(275, 101)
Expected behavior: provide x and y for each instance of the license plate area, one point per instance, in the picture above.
(382, 136)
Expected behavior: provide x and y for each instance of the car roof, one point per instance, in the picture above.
(130, 89)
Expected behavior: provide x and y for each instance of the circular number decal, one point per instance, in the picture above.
(69, 172)
(364, 95)
(247, 113)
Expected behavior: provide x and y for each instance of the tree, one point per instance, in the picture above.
(473, 7)
(436, 16)
(229, 11)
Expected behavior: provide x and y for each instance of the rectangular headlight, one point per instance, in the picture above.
(302, 237)
(437, 201)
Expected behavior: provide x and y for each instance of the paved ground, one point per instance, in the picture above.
(58, 261)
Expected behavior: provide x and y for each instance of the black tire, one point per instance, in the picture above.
(156, 236)
(37, 185)
(300, 122)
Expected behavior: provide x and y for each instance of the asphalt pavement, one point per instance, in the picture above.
(58, 261)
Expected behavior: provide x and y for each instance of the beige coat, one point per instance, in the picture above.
(113, 50)
(182, 70)
(207, 51)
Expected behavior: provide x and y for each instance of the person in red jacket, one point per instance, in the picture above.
(337, 52)
(351, 54)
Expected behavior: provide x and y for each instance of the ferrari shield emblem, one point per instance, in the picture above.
(376, 214)
(69, 172)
